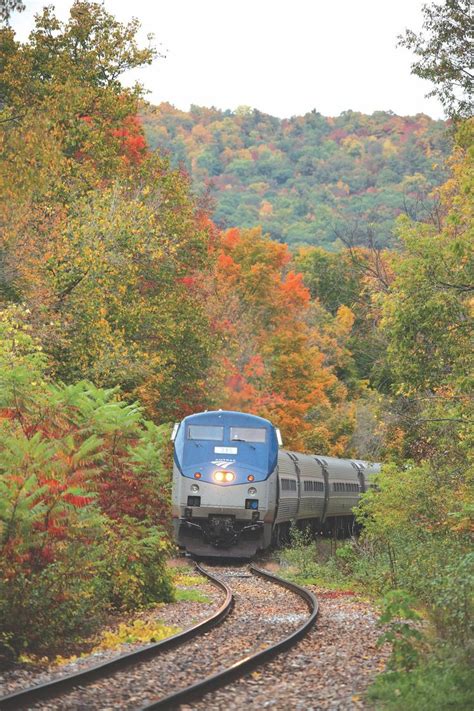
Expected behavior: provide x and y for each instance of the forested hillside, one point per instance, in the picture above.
(308, 179)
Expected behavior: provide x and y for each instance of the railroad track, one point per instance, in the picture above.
(209, 653)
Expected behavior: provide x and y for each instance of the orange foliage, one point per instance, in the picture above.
(271, 365)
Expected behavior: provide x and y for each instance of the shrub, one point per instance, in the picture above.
(83, 497)
(398, 615)
(442, 682)
(61, 603)
(136, 565)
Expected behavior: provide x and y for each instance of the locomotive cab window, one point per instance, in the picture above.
(206, 432)
(248, 434)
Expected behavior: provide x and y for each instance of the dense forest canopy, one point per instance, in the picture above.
(308, 179)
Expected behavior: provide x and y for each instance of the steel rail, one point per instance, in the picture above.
(248, 663)
(55, 687)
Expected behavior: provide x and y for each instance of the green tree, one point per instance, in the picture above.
(429, 306)
(444, 49)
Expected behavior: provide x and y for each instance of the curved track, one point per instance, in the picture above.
(32, 695)
(250, 662)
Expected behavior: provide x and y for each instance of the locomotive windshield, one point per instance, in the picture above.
(248, 434)
(206, 432)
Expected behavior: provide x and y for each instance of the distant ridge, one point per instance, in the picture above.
(308, 179)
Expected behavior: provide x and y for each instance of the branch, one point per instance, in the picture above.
(445, 419)
(457, 287)
(65, 292)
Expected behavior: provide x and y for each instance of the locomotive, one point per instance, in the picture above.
(236, 490)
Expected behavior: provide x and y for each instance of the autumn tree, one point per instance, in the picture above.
(271, 363)
(100, 237)
(353, 278)
(419, 521)
(286, 174)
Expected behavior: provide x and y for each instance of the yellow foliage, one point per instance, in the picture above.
(144, 631)
(266, 208)
(388, 149)
(187, 580)
(345, 318)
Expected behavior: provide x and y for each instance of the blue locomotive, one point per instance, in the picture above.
(236, 491)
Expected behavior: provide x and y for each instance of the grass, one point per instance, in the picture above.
(323, 575)
(191, 596)
(304, 563)
(435, 685)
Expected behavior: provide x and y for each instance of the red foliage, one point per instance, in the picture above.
(188, 281)
(230, 238)
(132, 139)
(78, 501)
(338, 134)
(271, 365)
(8, 413)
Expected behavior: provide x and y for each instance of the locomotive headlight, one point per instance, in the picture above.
(221, 476)
(251, 491)
(194, 488)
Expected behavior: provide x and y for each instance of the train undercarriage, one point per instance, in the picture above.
(223, 536)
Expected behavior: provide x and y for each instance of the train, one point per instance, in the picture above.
(236, 491)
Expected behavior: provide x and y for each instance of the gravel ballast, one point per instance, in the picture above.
(330, 669)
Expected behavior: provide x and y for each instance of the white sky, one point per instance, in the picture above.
(284, 57)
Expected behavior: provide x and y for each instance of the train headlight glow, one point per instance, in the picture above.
(252, 491)
(194, 488)
(221, 476)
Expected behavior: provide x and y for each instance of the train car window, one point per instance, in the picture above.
(248, 434)
(207, 432)
(313, 486)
